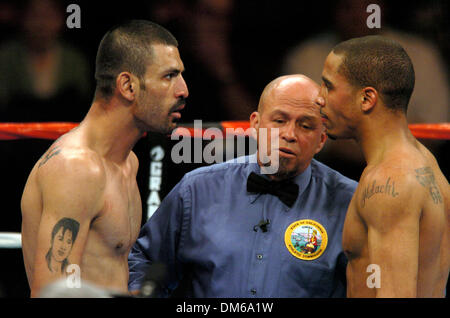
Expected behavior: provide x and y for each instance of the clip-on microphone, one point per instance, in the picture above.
(262, 225)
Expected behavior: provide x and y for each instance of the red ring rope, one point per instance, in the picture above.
(52, 130)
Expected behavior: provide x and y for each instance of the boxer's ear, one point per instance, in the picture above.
(369, 98)
(127, 86)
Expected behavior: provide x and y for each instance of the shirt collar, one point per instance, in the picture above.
(302, 179)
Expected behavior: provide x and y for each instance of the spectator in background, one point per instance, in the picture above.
(429, 19)
(8, 19)
(218, 93)
(430, 99)
(42, 78)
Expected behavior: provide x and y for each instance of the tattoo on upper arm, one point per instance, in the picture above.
(51, 153)
(373, 188)
(425, 176)
(64, 234)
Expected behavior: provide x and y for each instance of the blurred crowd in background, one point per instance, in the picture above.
(230, 49)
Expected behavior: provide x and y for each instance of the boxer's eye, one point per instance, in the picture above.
(170, 76)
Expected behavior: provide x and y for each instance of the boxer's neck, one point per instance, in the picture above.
(111, 131)
(378, 137)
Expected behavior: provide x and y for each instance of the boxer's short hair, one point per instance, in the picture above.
(381, 63)
(127, 47)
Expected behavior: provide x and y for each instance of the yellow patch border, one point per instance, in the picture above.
(306, 256)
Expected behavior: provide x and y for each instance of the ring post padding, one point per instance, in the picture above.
(10, 240)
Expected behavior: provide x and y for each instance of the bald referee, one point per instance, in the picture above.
(230, 230)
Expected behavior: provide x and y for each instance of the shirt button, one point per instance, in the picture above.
(259, 256)
(253, 291)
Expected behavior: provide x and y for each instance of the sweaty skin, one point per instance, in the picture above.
(81, 203)
(105, 201)
(398, 222)
(399, 219)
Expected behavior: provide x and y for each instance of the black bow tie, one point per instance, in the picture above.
(286, 191)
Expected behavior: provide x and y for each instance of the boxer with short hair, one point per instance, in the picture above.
(81, 204)
(399, 217)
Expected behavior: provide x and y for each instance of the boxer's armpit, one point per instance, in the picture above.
(48, 155)
(63, 236)
(425, 177)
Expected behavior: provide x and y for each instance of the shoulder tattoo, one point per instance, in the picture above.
(425, 176)
(372, 188)
(51, 153)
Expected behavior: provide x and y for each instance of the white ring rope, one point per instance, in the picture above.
(10, 240)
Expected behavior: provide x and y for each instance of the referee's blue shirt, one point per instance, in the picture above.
(204, 232)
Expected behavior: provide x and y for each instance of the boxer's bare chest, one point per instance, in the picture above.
(118, 223)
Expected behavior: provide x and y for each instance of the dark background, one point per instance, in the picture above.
(261, 34)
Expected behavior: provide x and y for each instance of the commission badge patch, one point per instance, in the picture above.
(306, 239)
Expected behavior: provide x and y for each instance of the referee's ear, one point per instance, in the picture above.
(254, 123)
(254, 120)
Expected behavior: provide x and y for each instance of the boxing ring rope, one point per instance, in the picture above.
(53, 130)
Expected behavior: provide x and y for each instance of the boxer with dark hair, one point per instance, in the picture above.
(88, 176)
(399, 217)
